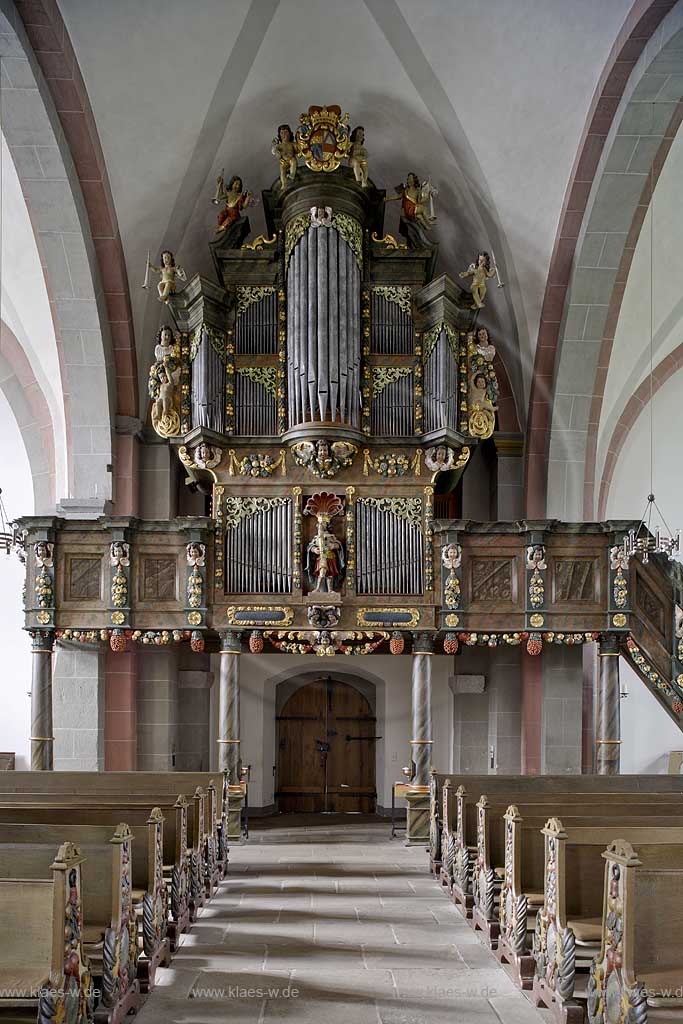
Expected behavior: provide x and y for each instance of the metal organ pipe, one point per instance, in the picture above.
(323, 329)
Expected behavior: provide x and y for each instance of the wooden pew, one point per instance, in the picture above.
(43, 967)
(148, 886)
(639, 969)
(571, 915)
(176, 856)
(503, 793)
(109, 931)
(488, 869)
(543, 785)
(511, 925)
(148, 788)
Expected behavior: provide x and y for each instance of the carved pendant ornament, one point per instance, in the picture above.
(391, 464)
(255, 464)
(482, 399)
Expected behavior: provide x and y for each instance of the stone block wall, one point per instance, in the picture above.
(78, 708)
(562, 709)
(157, 709)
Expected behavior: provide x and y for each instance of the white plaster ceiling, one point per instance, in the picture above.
(630, 361)
(490, 99)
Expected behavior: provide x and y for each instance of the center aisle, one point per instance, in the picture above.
(333, 923)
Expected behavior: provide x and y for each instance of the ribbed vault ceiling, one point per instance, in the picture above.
(489, 99)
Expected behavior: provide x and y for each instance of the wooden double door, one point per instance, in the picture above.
(326, 750)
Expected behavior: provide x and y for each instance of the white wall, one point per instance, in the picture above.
(15, 648)
(647, 731)
(260, 674)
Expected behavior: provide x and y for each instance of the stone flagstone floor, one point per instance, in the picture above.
(333, 923)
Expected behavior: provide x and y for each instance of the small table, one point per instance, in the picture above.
(399, 789)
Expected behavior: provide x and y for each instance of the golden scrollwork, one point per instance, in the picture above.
(382, 376)
(260, 242)
(352, 233)
(409, 509)
(431, 336)
(481, 422)
(238, 508)
(400, 294)
(266, 376)
(296, 227)
(247, 295)
(286, 620)
(389, 241)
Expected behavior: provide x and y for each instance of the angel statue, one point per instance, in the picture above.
(358, 156)
(284, 148)
(164, 380)
(480, 272)
(170, 273)
(417, 211)
(230, 217)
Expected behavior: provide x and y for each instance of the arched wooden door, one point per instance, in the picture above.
(326, 750)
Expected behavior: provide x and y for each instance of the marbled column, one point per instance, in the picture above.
(608, 724)
(229, 757)
(42, 738)
(421, 740)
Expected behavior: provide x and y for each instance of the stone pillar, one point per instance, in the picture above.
(120, 710)
(229, 755)
(421, 740)
(42, 738)
(608, 725)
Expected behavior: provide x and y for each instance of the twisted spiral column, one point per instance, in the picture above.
(42, 739)
(608, 725)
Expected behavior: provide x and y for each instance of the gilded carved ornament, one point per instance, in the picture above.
(382, 376)
(409, 509)
(266, 376)
(248, 295)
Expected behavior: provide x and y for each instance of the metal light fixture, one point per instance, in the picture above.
(11, 539)
(644, 540)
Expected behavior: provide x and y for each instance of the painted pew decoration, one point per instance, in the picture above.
(44, 958)
(486, 882)
(639, 971)
(198, 894)
(434, 829)
(155, 943)
(571, 914)
(120, 987)
(447, 837)
(177, 870)
(522, 880)
(109, 929)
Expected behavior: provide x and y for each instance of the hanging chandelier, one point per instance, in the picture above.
(652, 536)
(11, 539)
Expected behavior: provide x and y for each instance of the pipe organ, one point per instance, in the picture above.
(329, 370)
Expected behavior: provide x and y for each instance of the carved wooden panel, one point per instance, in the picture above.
(650, 606)
(84, 579)
(491, 579)
(574, 579)
(159, 579)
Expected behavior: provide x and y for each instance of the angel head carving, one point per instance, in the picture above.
(196, 553)
(451, 556)
(535, 557)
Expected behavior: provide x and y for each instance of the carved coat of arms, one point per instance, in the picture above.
(323, 138)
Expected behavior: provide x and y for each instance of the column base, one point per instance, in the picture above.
(417, 816)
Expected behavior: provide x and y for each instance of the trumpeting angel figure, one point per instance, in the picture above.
(170, 273)
(480, 271)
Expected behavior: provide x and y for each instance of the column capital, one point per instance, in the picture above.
(423, 643)
(231, 641)
(42, 640)
(608, 645)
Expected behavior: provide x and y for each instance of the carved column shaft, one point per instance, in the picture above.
(229, 707)
(42, 740)
(608, 724)
(421, 741)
